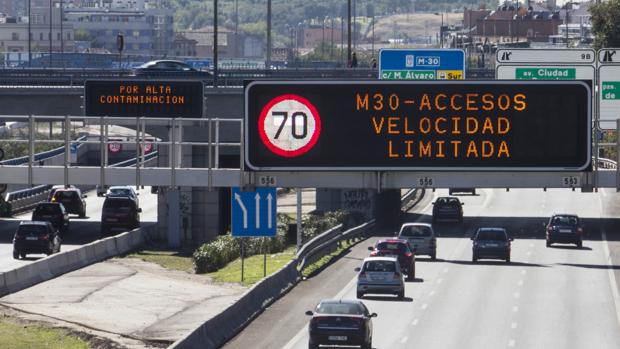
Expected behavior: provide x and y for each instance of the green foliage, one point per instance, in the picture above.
(314, 225)
(605, 24)
(21, 336)
(216, 254)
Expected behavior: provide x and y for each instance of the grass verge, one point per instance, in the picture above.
(19, 336)
(317, 266)
(169, 259)
(253, 267)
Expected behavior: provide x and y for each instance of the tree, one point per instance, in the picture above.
(605, 24)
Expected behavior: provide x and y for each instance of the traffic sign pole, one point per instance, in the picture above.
(242, 255)
(264, 257)
(298, 218)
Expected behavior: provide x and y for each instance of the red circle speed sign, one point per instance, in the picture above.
(147, 147)
(289, 125)
(115, 147)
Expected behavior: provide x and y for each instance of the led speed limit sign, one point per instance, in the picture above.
(289, 125)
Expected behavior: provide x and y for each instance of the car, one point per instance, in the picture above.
(399, 249)
(119, 213)
(491, 243)
(448, 208)
(123, 191)
(340, 322)
(380, 275)
(50, 195)
(472, 191)
(72, 199)
(421, 238)
(564, 228)
(53, 212)
(167, 67)
(35, 237)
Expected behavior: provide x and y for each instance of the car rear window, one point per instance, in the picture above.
(47, 209)
(384, 266)
(340, 308)
(118, 204)
(565, 220)
(414, 231)
(66, 195)
(32, 229)
(498, 235)
(120, 192)
(393, 246)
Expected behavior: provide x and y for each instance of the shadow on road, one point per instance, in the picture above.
(387, 299)
(498, 263)
(591, 266)
(570, 247)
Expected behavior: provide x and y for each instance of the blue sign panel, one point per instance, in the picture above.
(407, 64)
(253, 212)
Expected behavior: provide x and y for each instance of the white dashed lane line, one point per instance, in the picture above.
(512, 343)
(513, 325)
(415, 322)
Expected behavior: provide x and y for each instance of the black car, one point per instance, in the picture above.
(491, 243)
(72, 199)
(119, 213)
(448, 208)
(340, 322)
(35, 237)
(566, 229)
(53, 212)
(167, 67)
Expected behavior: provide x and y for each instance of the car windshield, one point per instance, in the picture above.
(47, 209)
(381, 266)
(339, 308)
(32, 229)
(565, 220)
(393, 246)
(415, 231)
(497, 235)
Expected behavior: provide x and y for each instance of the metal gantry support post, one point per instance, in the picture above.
(102, 146)
(217, 143)
(138, 158)
(209, 155)
(67, 150)
(299, 235)
(31, 140)
(172, 154)
(241, 156)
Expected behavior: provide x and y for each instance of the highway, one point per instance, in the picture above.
(560, 297)
(82, 230)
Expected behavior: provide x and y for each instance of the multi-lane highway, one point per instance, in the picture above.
(560, 297)
(82, 230)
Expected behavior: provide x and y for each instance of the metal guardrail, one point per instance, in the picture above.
(607, 164)
(329, 241)
(40, 156)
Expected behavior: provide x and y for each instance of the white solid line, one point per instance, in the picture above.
(304, 329)
(424, 306)
(513, 325)
(612, 276)
(511, 343)
(404, 340)
(415, 322)
(515, 309)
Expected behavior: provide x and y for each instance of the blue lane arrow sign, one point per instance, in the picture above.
(254, 213)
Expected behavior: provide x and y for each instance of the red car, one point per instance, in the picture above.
(398, 248)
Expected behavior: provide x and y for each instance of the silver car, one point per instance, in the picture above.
(421, 238)
(380, 275)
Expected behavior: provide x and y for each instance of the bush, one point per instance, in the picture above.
(314, 225)
(216, 254)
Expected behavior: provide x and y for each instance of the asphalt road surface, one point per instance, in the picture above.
(559, 297)
(82, 230)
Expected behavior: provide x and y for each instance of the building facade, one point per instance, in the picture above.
(43, 37)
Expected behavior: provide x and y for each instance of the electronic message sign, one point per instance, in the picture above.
(148, 98)
(431, 125)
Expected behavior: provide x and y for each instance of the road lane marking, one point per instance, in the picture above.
(523, 271)
(512, 343)
(612, 276)
(445, 270)
(415, 322)
(528, 253)
(515, 309)
(513, 325)
(432, 293)
(517, 294)
(520, 283)
(439, 280)
(424, 306)
(404, 340)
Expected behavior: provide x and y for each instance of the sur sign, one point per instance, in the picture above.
(409, 125)
(254, 212)
(420, 64)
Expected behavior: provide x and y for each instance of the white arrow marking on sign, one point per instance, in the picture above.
(269, 211)
(245, 211)
(257, 199)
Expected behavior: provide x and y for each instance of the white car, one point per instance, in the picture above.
(380, 275)
(421, 238)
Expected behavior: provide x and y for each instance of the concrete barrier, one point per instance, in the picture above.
(57, 264)
(224, 326)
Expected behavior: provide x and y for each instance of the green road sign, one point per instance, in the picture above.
(610, 90)
(408, 75)
(545, 73)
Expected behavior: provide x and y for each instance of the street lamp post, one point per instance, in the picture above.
(441, 28)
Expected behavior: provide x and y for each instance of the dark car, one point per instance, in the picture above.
(491, 243)
(72, 199)
(166, 67)
(398, 248)
(448, 208)
(119, 213)
(53, 212)
(566, 229)
(472, 191)
(340, 322)
(35, 237)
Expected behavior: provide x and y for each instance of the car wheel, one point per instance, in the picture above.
(83, 213)
(434, 256)
(473, 192)
(367, 345)
(401, 294)
(15, 254)
(411, 273)
(23, 255)
(360, 295)
(508, 259)
(312, 346)
(579, 244)
(474, 258)
(548, 243)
